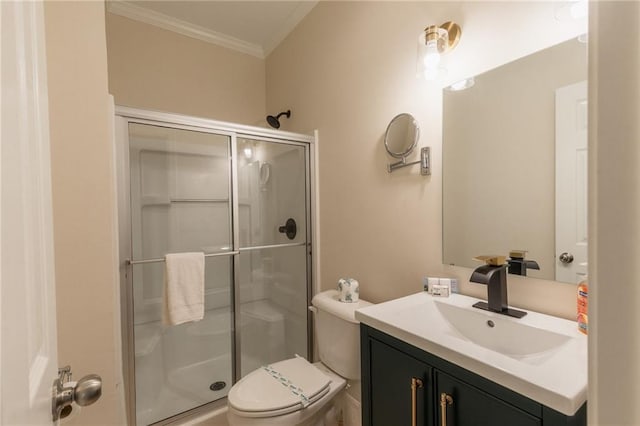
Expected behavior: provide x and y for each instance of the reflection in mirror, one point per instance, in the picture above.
(500, 177)
(401, 136)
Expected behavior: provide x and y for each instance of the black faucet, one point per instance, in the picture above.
(518, 265)
(495, 277)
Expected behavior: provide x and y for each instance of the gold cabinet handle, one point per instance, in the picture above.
(444, 401)
(415, 384)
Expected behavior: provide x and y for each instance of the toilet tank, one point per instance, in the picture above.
(338, 333)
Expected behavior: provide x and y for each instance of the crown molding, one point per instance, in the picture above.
(141, 14)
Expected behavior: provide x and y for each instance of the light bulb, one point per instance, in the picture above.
(432, 55)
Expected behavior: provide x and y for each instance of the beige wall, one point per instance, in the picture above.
(614, 212)
(83, 201)
(152, 68)
(348, 82)
(499, 154)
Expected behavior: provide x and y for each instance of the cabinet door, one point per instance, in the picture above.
(460, 404)
(394, 401)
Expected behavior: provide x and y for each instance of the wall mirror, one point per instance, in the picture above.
(514, 164)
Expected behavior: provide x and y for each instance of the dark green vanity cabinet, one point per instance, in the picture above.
(403, 385)
(400, 386)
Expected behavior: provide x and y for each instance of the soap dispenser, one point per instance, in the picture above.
(583, 316)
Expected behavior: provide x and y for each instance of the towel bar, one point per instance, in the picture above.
(243, 249)
(161, 259)
(225, 253)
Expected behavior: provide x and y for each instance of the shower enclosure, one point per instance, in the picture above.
(241, 195)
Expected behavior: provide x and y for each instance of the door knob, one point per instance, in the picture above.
(566, 258)
(88, 390)
(290, 229)
(84, 392)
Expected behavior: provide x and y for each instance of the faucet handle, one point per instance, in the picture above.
(517, 254)
(491, 259)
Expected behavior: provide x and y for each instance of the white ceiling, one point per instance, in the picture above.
(254, 27)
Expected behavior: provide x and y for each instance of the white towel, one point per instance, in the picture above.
(183, 288)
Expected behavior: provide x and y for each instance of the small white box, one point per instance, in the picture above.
(440, 290)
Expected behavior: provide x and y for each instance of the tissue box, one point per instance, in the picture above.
(349, 290)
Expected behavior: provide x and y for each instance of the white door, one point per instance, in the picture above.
(571, 182)
(27, 289)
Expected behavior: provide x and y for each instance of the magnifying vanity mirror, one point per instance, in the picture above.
(401, 136)
(515, 164)
(400, 140)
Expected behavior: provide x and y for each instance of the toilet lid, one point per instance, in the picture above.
(279, 388)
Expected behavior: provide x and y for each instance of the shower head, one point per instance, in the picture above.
(274, 121)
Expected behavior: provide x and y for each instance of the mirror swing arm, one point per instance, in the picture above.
(424, 161)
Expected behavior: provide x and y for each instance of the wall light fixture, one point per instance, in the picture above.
(432, 43)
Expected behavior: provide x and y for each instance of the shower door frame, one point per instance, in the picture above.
(125, 116)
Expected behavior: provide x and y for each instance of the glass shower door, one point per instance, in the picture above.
(180, 195)
(273, 267)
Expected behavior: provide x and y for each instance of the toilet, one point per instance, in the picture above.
(295, 392)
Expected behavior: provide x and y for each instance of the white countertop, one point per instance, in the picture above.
(556, 377)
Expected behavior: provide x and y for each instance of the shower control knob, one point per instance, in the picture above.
(566, 258)
(290, 229)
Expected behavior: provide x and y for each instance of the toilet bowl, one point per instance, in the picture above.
(294, 392)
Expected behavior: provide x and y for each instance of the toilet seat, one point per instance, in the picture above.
(280, 388)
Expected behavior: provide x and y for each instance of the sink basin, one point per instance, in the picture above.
(539, 356)
(501, 334)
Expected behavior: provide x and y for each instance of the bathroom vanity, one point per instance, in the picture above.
(431, 361)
